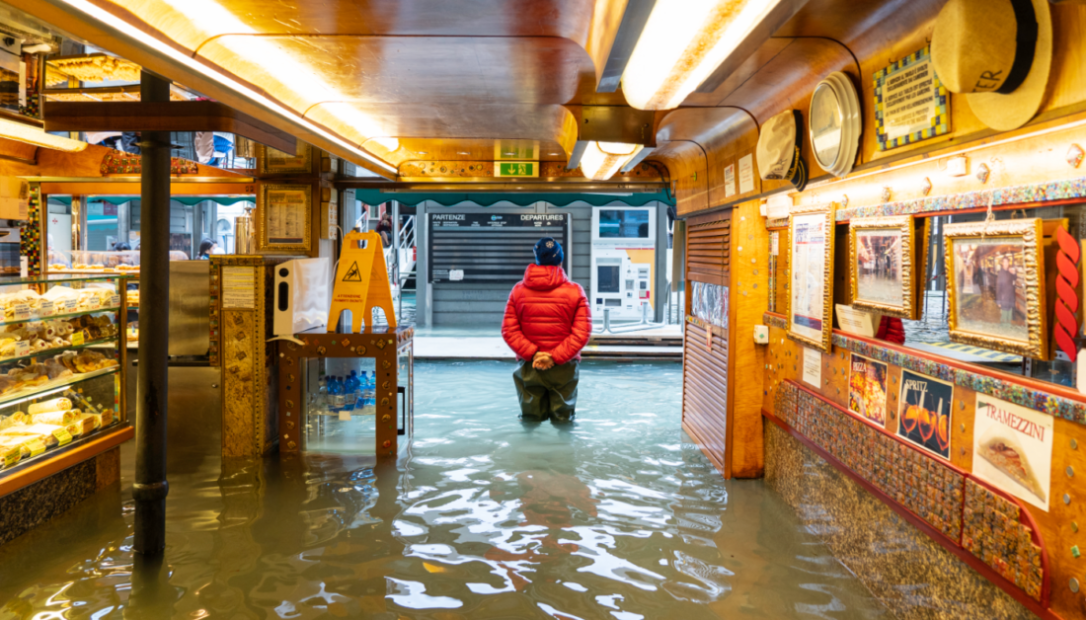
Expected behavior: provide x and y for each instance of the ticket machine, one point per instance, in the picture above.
(623, 261)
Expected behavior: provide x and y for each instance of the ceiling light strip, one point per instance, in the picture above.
(122, 26)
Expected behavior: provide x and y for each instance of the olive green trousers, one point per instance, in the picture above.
(547, 393)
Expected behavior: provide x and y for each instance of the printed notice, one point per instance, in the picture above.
(287, 210)
(809, 238)
(774, 243)
(729, 181)
(746, 174)
(239, 287)
(856, 321)
(908, 100)
(812, 367)
(1012, 449)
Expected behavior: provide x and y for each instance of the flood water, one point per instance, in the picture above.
(613, 516)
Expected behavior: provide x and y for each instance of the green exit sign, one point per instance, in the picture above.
(516, 168)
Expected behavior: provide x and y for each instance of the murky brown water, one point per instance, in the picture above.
(614, 516)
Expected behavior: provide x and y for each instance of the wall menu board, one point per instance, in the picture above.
(490, 247)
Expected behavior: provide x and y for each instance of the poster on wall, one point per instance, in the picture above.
(867, 389)
(709, 302)
(924, 410)
(1012, 449)
(812, 367)
(811, 293)
(729, 181)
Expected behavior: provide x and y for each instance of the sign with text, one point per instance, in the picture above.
(523, 169)
(489, 247)
(911, 104)
(1012, 449)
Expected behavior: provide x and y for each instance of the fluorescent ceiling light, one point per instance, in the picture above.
(389, 144)
(21, 132)
(682, 44)
(601, 160)
(290, 68)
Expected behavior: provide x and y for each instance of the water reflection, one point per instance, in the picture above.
(613, 516)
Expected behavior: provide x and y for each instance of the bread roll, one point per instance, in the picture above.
(55, 404)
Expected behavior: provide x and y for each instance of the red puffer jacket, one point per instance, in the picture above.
(547, 312)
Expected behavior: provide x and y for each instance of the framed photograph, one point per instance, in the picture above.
(996, 286)
(867, 389)
(273, 161)
(810, 294)
(283, 215)
(924, 410)
(882, 261)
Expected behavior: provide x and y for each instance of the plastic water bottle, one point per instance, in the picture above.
(370, 389)
(351, 392)
(335, 389)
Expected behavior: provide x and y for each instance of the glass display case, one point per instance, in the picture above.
(60, 364)
(346, 392)
(82, 262)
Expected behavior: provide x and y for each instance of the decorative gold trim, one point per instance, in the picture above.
(261, 218)
(825, 344)
(903, 225)
(1030, 231)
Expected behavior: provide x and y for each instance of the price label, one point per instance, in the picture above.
(94, 303)
(70, 305)
(11, 457)
(63, 436)
(115, 301)
(77, 339)
(22, 348)
(22, 312)
(47, 308)
(36, 446)
(344, 416)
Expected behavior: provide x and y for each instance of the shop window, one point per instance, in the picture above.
(931, 332)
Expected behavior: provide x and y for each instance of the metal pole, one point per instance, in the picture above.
(151, 487)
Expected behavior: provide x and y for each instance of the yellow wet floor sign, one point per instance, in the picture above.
(361, 282)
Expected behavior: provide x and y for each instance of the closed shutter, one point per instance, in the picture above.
(708, 250)
(705, 391)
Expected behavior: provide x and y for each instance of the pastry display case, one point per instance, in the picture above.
(61, 361)
(127, 262)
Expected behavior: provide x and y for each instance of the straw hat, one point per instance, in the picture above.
(779, 149)
(998, 54)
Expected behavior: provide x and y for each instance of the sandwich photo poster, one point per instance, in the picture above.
(1012, 449)
(924, 412)
(867, 389)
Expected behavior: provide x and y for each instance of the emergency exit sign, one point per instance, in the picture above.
(516, 169)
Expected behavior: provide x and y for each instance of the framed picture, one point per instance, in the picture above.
(283, 215)
(274, 161)
(924, 412)
(810, 294)
(996, 286)
(882, 261)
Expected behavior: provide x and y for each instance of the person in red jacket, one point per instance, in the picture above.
(547, 323)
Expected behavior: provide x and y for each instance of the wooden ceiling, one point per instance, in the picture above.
(445, 78)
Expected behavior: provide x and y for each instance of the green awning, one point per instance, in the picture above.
(484, 199)
(185, 200)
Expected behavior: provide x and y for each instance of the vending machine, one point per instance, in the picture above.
(623, 261)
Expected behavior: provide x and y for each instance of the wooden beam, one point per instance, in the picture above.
(171, 116)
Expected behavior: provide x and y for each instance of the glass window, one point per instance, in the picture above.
(624, 224)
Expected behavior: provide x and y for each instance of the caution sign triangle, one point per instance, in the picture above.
(353, 273)
(361, 282)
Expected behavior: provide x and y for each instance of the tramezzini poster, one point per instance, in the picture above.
(924, 410)
(1012, 449)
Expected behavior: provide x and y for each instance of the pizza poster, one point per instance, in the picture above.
(924, 410)
(1012, 449)
(867, 389)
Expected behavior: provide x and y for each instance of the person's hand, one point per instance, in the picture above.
(542, 361)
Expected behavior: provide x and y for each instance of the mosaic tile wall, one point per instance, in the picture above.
(912, 575)
(927, 487)
(995, 534)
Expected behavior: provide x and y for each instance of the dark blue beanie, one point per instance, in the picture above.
(548, 252)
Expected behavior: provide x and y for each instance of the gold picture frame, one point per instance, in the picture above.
(284, 218)
(870, 241)
(990, 266)
(810, 287)
(270, 161)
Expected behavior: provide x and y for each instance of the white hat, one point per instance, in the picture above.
(998, 54)
(779, 148)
